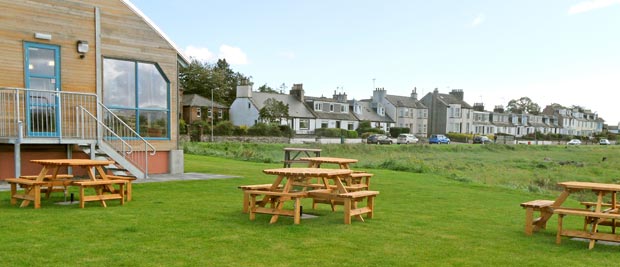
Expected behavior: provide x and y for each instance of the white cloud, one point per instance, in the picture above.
(200, 53)
(590, 5)
(478, 20)
(233, 55)
(287, 55)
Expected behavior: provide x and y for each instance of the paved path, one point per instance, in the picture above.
(190, 176)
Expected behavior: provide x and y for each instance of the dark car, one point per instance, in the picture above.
(438, 139)
(378, 139)
(481, 139)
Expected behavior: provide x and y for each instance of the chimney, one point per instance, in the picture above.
(479, 106)
(378, 95)
(340, 97)
(498, 109)
(244, 91)
(414, 93)
(458, 93)
(298, 91)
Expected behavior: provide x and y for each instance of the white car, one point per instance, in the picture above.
(604, 142)
(406, 139)
(574, 142)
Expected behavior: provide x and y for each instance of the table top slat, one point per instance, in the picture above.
(319, 172)
(329, 160)
(590, 186)
(72, 162)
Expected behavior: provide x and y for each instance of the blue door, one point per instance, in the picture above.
(42, 72)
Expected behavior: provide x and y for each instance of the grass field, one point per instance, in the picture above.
(443, 215)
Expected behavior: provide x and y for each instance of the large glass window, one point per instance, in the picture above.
(137, 92)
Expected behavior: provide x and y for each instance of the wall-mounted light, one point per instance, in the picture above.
(42, 36)
(82, 48)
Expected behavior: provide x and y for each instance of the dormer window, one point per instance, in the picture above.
(317, 106)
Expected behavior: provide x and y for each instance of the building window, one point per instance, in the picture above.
(342, 108)
(220, 114)
(249, 105)
(138, 93)
(331, 107)
(351, 126)
(198, 112)
(303, 124)
(209, 114)
(317, 106)
(324, 124)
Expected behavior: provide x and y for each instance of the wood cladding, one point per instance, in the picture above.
(124, 35)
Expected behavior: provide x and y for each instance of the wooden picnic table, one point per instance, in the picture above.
(290, 176)
(315, 162)
(49, 173)
(603, 211)
(291, 154)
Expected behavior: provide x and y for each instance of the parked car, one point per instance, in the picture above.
(481, 139)
(604, 142)
(378, 139)
(574, 142)
(438, 139)
(406, 139)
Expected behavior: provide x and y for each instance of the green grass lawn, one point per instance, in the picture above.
(421, 219)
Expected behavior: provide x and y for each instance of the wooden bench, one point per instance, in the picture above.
(100, 196)
(291, 157)
(357, 177)
(281, 196)
(29, 186)
(589, 205)
(591, 217)
(252, 187)
(127, 179)
(350, 204)
(541, 206)
(57, 185)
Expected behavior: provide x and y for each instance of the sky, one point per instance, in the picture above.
(552, 51)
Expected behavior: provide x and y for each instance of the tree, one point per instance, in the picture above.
(266, 89)
(523, 105)
(205, 79)
(273, 110)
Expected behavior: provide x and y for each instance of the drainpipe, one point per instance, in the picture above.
(17, 149)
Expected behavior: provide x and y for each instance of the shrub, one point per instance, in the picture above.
(224, 128)
(328, 132)
(351, 134)
(182, 127)
(395, 131)
(240, 130)
(286, 130)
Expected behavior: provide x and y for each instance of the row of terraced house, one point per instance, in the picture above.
(435, 113)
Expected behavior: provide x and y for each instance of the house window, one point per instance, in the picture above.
(198, 112)
(138, 92)
(324, 124)
(317, 106)
(351, 126)
(342, 109)
(220, 114)
(303, 124)
(331, 107)
(249, 105)
(209, 113)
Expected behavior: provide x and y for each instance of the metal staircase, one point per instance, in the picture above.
(69, 118)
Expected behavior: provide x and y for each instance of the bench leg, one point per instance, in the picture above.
(529, 220)
(13, 192)
(297, 214)
(347, 210)
(558, 237)
(371, 205)
(128, 194)
(252, 207)
(82, 197)
(37, 196)
(122, 192)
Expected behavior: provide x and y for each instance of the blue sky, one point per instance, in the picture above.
(553, 51)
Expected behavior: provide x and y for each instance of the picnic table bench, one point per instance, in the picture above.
(292, 155)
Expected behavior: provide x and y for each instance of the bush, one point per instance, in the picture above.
(328, 132)
(197, 128)
(240, 130)
(182, 127)
(351, 134)
(286, 130)
(395, 131)
(223, 128)
(459, 137)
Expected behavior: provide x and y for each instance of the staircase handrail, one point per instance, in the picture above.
(107, 128)
(146, 143)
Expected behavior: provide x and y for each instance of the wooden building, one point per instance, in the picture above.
(85, 78)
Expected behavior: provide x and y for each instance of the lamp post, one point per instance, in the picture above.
(212, 112)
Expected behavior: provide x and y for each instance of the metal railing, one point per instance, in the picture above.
(69, 117)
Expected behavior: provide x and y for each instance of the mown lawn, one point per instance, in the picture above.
(421, 219)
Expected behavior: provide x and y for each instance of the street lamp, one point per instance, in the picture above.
(212, 112)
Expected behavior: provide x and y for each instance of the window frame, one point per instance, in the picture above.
(136, 105)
